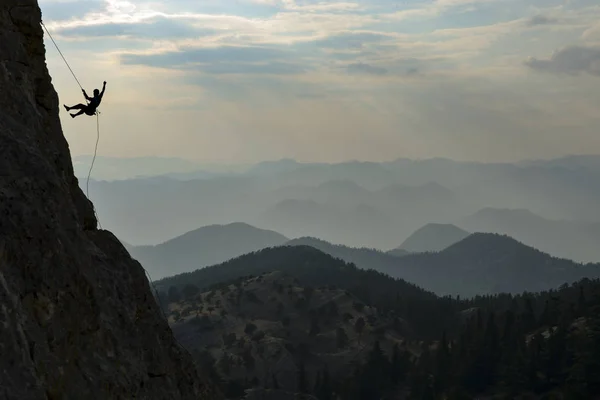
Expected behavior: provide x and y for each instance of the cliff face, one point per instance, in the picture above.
(77, 317)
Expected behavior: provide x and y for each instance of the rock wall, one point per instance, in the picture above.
(77, 317)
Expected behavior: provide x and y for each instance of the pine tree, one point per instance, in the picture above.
(581, 302)
(442, 365)
(359, 326)
(314, 326)
(302, 380)
(317, 387)
(325, 390)
(396, 367)
(341, 338)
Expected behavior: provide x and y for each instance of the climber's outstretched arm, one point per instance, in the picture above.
(103, 89)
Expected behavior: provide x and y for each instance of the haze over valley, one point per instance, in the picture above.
(550, 205)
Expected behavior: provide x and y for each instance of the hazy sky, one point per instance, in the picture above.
(247, 80)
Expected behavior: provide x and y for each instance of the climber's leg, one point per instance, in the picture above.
(76, 107)
(79, 113)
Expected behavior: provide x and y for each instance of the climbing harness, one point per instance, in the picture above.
(97, 113)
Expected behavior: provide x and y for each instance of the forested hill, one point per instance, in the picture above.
(533, 346)
(522, 346)
(481, 263)
(427, 313)
(486, 263)
(363, 257)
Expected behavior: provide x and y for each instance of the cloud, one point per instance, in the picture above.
(571, 60)
(541, 20)
(271, 77)
(225, 60)
(362, 68)
(400, 67)
(351, 40)
(62, 10)
(269, 68)
(436, 8)
(189, 56)
(154, 28)
(592, 34)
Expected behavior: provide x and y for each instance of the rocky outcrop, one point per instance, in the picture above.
(77, 317)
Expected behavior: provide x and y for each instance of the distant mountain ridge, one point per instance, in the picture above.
(205, 246)
(568, 239)
(433, 237)
(486, 263)
(407, 193)
(362, 257)
(481, 263)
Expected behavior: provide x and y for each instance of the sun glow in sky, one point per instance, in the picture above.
(247, 80)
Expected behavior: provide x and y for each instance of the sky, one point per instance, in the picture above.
(328, 81)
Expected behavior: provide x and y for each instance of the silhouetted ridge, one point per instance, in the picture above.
(485, 263)
(205, 246)
(577, 240)
(362, 257)
(433, 237)
(220, 232)
(489, 245)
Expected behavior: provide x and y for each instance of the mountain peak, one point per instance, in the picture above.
(484, 242)
(433, 237)
(205, 246)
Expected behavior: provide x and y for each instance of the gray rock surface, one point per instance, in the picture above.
(77, 317)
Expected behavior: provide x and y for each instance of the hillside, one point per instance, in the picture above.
(77, 314)
(532, 346)
(312, 267)
(568, 239)
(261, 331)
(202, 247)
(433, 237)
(362, 257)
(218, 243)
(397, 252)
(481, 263)
(282, 336)
(485, 263)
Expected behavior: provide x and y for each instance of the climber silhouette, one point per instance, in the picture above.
(90, 108)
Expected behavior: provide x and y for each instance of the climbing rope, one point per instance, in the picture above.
(87, 185)
(61, 54)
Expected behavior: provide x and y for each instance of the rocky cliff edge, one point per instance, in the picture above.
(77, 317)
